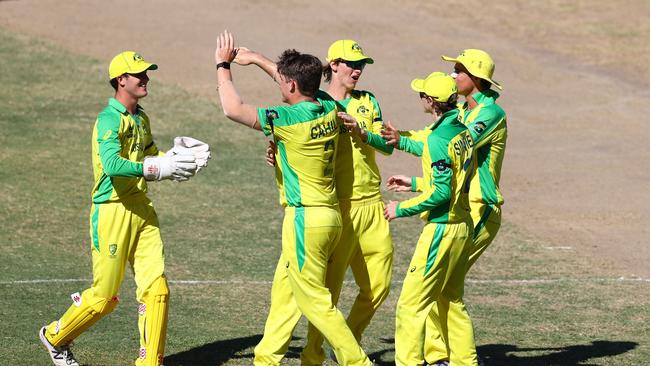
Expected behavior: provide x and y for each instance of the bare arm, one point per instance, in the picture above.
(231, 103)
(246, 56)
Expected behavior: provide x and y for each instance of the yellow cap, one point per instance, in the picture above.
(128, 62)
(478, 63)
(438, 85)
(348, 50)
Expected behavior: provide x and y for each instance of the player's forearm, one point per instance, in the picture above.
(116, 166)
(430, 199)
(411, 146)
(231, 103)
(379, 144)
(268, 66)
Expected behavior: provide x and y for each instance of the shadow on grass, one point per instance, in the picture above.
(217, 353)
(578, 355)
(510, 355)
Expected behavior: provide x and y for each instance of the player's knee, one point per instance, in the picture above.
(158, 289)
(99, 304)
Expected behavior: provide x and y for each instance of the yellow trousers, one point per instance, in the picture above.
(487, 221)
(367, 248)
(309, 238)
(121, 233)
(437, 269)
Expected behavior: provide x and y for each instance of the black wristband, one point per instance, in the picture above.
(225, 65)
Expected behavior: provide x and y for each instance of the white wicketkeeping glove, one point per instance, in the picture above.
(178, 167)
(200, 149)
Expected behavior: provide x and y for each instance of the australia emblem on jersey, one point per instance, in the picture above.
(479, 127)
(112, 249)
(362, 110)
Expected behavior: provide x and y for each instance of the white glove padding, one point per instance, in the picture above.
(200, 149)
(176, 167)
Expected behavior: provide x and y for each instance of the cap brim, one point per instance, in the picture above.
(146, 66)
(495, 83)
(418, 85)
(355, 58)
(450, 59)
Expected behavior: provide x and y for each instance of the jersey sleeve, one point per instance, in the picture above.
(439, 192)
(486, 122)
(266, 116)
(413, 141)
(108, 140)
(374, 137)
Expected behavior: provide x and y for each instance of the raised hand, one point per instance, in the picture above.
(390, 134)
(245, 56)
(226, 50)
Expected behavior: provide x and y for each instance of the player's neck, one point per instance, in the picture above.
(471, 102)
(128, 101)
(338, 91)
(299, 98)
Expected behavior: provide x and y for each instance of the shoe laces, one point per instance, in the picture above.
(64, 352)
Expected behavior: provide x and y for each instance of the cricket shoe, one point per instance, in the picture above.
(62, 355)
(440, 363)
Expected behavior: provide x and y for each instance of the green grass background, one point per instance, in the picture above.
(224, 225)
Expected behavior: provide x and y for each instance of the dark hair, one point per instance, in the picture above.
(327, 72)
(442, 107)
(113, 83)
(305, 69)
(485, 84)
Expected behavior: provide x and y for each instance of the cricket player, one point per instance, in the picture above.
(123, 223)
(306, 135)
(486, 121)
(365, 245)
(438, 266)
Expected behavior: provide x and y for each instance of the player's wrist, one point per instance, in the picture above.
(223, 64)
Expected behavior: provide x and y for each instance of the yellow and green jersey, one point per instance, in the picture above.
(447, 166)
(487, 124)
(306, 135)
(357, 173)
(120, 142)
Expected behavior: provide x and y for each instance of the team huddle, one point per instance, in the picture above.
(323, 146)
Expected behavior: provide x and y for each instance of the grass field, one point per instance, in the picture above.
(531, 304)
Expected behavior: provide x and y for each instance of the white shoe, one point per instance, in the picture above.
(440, 363)
(61, 356)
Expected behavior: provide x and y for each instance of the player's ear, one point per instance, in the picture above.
(294, 86)
(121, 80)
(334, 65)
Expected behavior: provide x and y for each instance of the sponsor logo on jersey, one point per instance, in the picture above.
(112, 249)
(479, 127)
(413, 269)
(76, 299)
(137, 147)
(129, 132)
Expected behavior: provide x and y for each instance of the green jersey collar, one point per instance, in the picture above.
(486, 96)
(451, 115)
(120, 107)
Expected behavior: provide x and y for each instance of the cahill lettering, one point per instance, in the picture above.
(323, 129)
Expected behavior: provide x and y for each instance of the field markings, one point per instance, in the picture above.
(533, 281)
